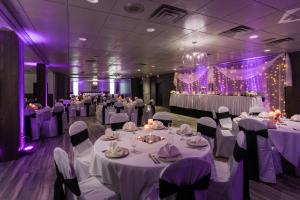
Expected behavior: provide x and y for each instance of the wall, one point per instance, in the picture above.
(293, 92)
(160, 88)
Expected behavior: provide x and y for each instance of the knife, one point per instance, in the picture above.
(150, 156)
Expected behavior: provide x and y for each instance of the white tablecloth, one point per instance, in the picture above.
(132, 174)
(205, 102)
(285, 139)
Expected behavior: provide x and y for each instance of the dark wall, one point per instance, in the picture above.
(62, 87)
(160, 88)
(293, 93)
(137, 87)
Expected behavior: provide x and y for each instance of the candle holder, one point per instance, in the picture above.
(150, 139)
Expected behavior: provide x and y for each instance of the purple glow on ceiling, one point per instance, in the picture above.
(35, 37)
(28, 148)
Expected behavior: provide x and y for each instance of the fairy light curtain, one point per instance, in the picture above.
(265, 76)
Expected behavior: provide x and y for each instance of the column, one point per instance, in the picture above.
(41, 84)
(11, 95)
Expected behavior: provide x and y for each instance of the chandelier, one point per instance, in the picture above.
(194, 58)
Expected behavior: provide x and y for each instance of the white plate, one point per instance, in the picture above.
(130, 130)
(188, 135)
(170, 159)
(120, 153)
(105, 138)
(202, 143)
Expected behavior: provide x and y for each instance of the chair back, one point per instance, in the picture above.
(164, 117)
(78, 132)
(186, 179)
(118, 120)
(224, 118)
(255, 110)
(66, 182)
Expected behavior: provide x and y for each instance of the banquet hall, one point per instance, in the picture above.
(150, 99)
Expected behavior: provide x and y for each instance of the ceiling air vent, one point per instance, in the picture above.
(91, 60)
(167, 14)
(236, 30)
(279, 41)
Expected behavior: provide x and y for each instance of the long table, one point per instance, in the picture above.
(211, 103)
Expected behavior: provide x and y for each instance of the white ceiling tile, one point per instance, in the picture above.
(121, 23)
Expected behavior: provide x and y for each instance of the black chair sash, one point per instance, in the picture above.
(71, 184)
(67, 111)
(240, 154)
(27, 123)
(103, 114)
(119, 108)
(59, 121)
(117, 126)
(79, 137)
(139, 114)
(77, 113)
(206, 130)
(223, 115)
(165, 122)
(87, 109)
(252, 151)
(184, 192)
(152, 108)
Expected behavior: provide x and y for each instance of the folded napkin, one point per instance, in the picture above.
(129, 126)
(244, 115)
(185, 129)
(263, 115)
(109, 133)
(167, 151)
(296, 118)
(113, 147)
(157, 125)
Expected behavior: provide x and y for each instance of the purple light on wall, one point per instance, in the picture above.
(21, 95)
(37, 38)
(101, 85)
(31, 64)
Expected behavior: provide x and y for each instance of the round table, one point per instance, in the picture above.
(132, 174)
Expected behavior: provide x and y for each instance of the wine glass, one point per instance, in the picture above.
(199, 134)
(182, 136)
(169, 128)
(170, 139)
(117, 134)
(134, 143)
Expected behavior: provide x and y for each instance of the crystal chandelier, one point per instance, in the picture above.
(194, 58)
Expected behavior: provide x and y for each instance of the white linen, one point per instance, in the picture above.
(205, 102)
(130, 175)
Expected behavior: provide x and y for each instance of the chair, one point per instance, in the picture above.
(119, 107)
(208, 128)
(82, 147)
(224, 137)
(68, 187)
(255, 110)
(86, 108)
(164, 117)
(117, 120)
(54, 126)
(230, 183)
(152, 104)
(31, 125)
(262, 158)
(138, 114)
(185, 179)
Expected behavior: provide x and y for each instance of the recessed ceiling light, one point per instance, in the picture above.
(150, 74)
(267, 50)
(150, 30)
(82, 39)
(138, 70)
(93, 1)
(153, 66)
(253, 36)
(174, 69)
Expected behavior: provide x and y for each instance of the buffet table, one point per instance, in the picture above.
(131, 175)
(211, 103)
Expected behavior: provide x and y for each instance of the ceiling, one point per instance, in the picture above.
(117, 41)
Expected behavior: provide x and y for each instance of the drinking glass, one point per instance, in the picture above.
(169, 128)
(170, 139)
(134, 143)
(182, 136)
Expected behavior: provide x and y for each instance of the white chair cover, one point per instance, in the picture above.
(257, 109)
(49, 127)
(228, 184)
(89, 189)
(267, 169)
(83, 151)
(164, 117)
(225, 138)
(119, 117)
(209, 122)
(34, 124)
(134, 116)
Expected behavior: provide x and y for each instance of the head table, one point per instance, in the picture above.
(132, 174)
(285, 137)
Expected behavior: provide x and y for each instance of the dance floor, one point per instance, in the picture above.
(33, 176)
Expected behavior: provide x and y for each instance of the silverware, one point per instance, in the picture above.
(150, 156)
(157, 160)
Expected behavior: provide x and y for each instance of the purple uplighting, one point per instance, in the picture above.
(21, 96)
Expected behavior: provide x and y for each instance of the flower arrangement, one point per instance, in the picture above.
(250, 94)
